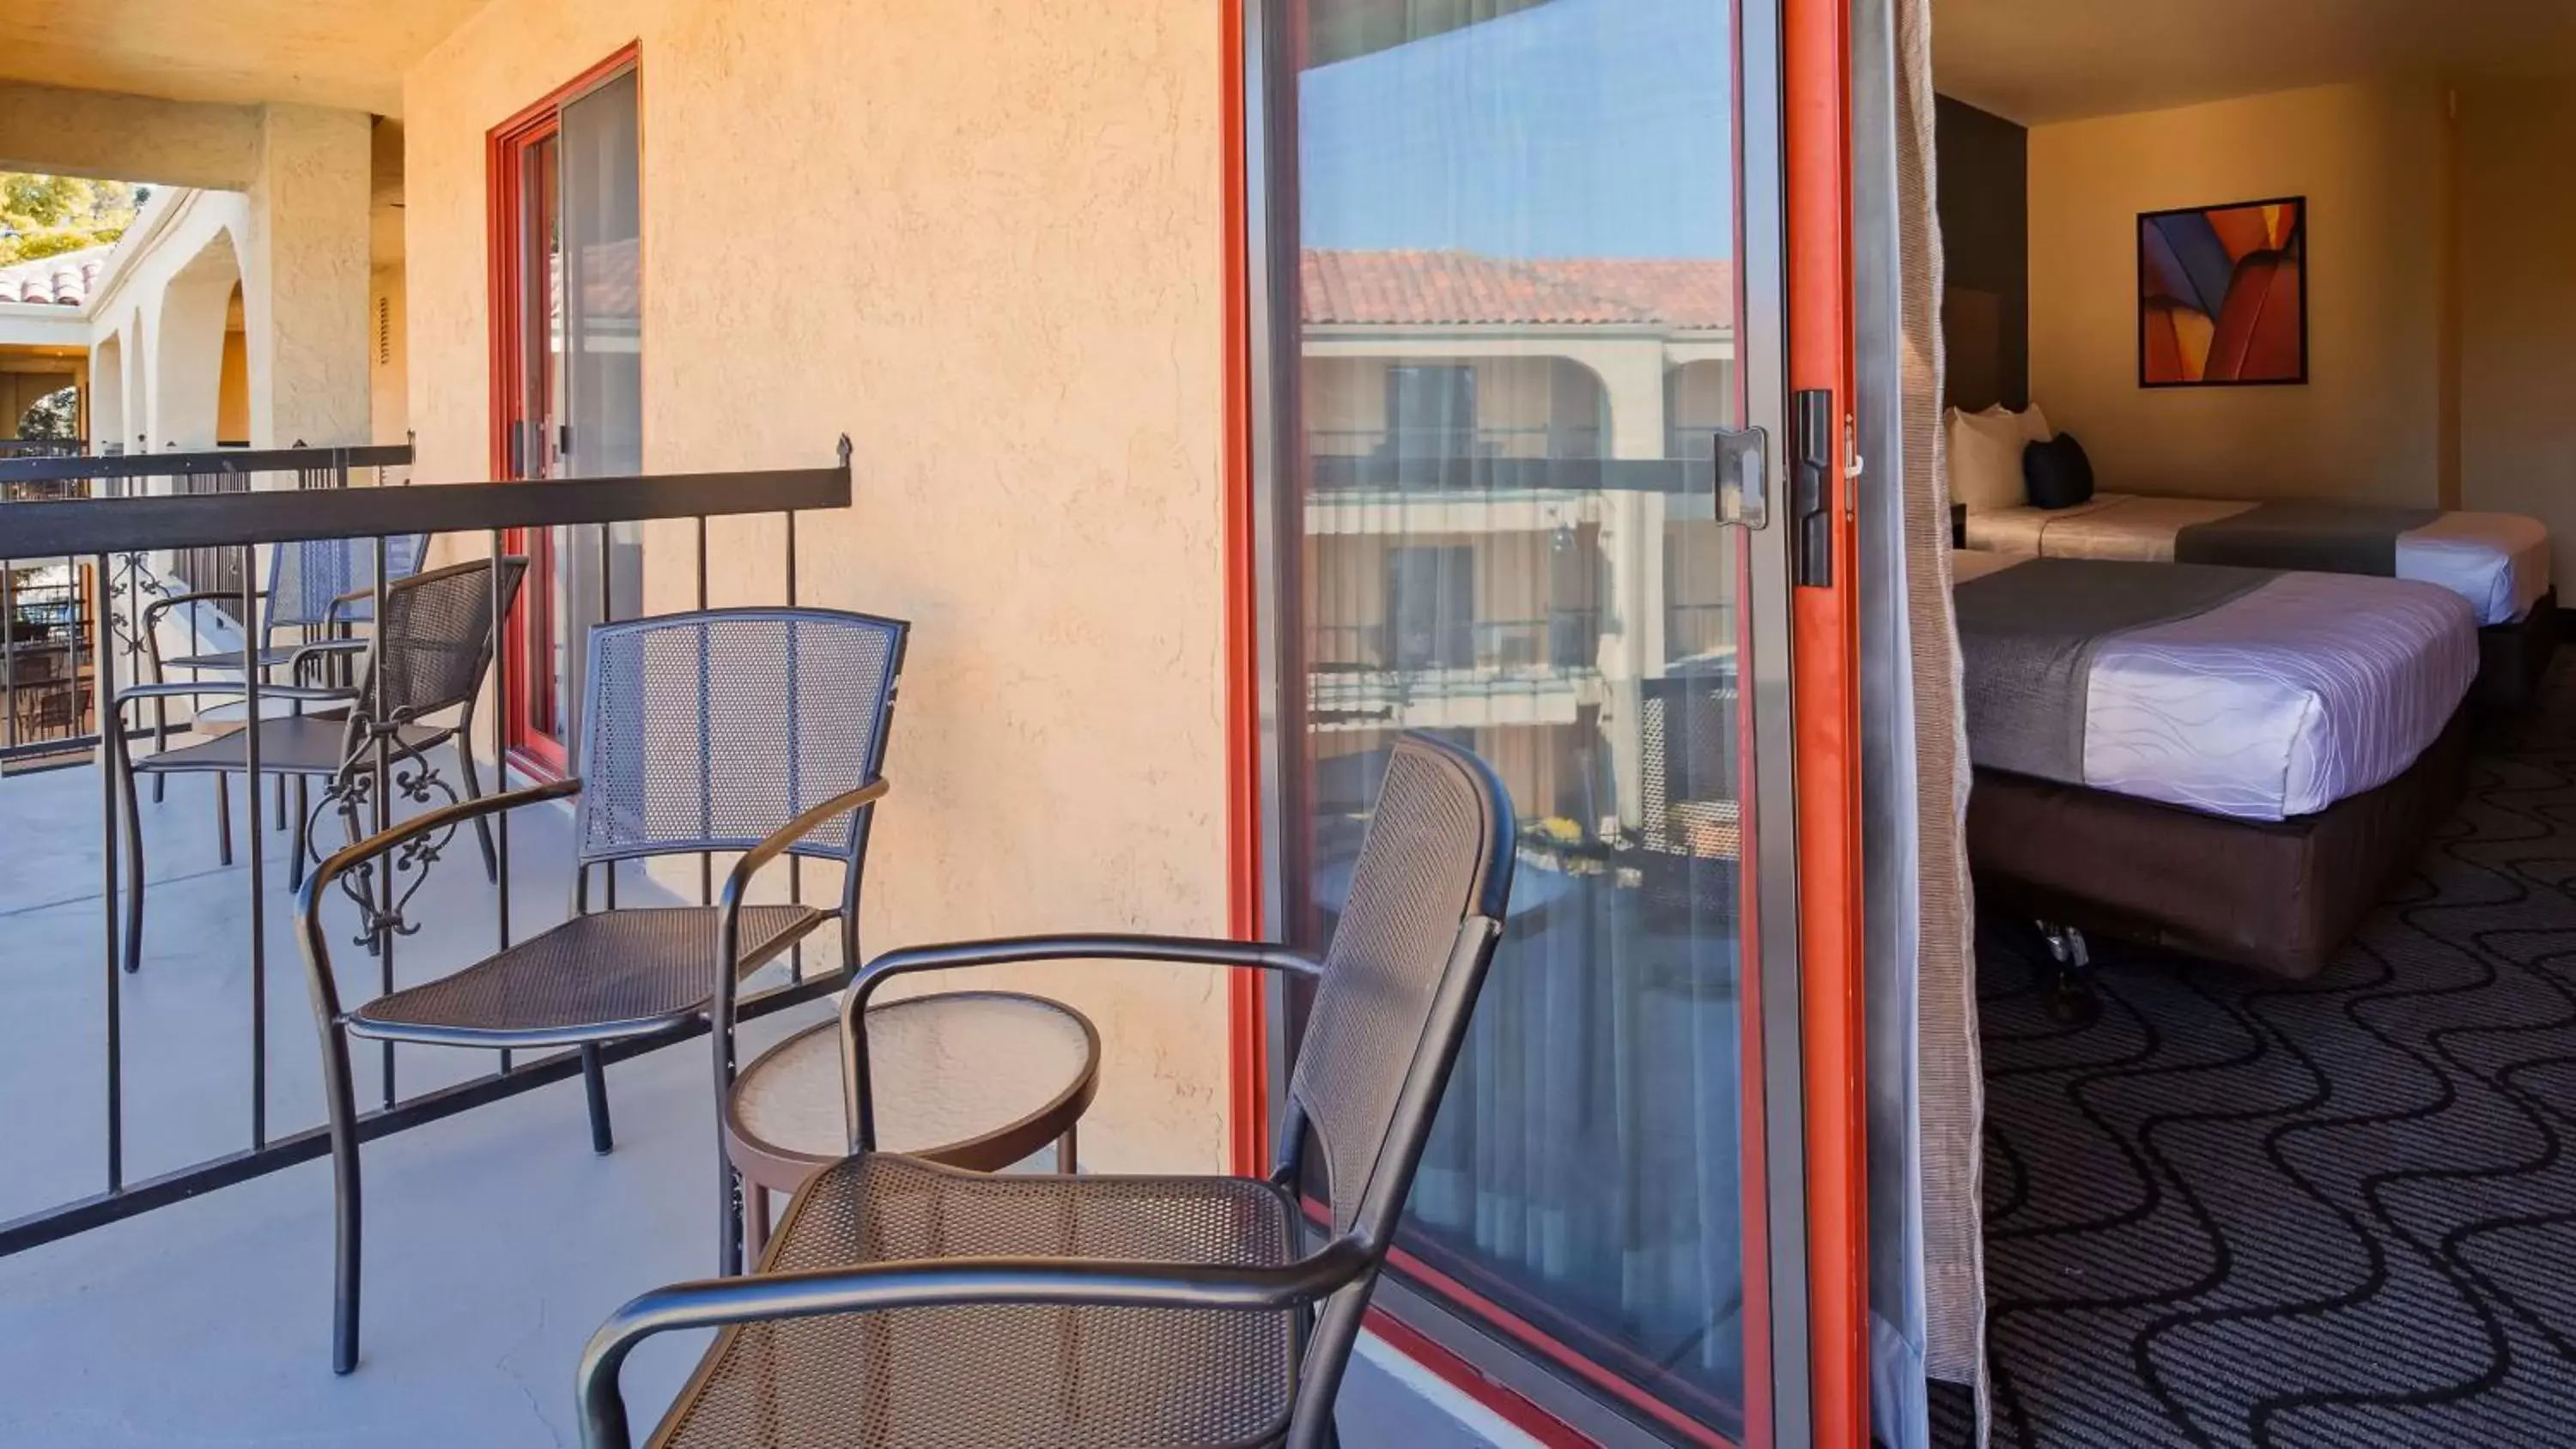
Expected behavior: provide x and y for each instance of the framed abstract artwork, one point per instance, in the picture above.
(2223, 295)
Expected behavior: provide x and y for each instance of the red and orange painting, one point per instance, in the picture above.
(2223, 295)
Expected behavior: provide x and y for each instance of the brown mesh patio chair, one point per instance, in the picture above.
(429, 658)
(901, 1303)
(759, 731)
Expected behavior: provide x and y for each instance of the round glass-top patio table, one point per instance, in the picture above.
(970, 1079)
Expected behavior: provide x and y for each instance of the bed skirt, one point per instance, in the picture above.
(2511, 656)
(2276, 895)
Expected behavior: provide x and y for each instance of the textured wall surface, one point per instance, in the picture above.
(2372, 159)
(983, 240)
(93, 133)
(305, 278)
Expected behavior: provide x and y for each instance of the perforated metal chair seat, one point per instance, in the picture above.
(975, 1378)
(594, 978)
(301, 745)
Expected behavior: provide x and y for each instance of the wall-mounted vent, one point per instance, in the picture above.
(384, 332)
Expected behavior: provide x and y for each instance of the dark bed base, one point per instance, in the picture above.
(2278, 895)
(2512, 656)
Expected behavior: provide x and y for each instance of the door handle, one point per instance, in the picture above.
(1744, 477)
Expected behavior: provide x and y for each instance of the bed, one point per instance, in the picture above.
(2229, 762)
(2498, 562)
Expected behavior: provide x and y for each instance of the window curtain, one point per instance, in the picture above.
(1950, 1103)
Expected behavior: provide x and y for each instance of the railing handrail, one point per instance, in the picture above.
(210, 460)
(204, 520)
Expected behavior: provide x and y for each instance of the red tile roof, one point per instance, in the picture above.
(1447, 288)
(62, 280)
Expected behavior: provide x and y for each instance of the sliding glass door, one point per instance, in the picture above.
(569, 380)
(1515, 306)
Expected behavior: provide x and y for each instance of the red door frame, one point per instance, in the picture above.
(1815, 86)
(536, 755)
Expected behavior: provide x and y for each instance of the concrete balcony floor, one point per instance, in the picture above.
(497, 1240)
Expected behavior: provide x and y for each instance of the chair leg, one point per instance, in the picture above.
(473, 792)
(303, 833)
(755, 1220)
(133, 810)
(345, 1199)
(160, 743)
(281, 804)
(224, 816)
(729, 1219)
(594, 1081)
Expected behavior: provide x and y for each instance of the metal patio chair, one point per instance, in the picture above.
(316, 587)
(761, 731)
(902, 1303)
(431, 656)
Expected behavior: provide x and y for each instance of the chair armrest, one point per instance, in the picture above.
(1104, 1283)
(309, 898)
(153, 611)
(1006, 950)
(167, 602)
(181, 689)
(738, 881)
(304, 654)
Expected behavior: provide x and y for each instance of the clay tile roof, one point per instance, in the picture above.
(1449, 288)
(63, 280)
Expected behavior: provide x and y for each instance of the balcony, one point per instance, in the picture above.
(165, 1201)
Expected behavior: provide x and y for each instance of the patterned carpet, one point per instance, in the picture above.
(2238, 1210)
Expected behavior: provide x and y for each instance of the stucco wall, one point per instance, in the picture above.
(2373, 160)
(388, 356)
(985, 245)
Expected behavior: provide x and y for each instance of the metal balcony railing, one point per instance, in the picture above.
(80, 619)
(1561, 642)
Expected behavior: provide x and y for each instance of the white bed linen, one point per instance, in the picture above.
(2310, 689)
(2499, 562)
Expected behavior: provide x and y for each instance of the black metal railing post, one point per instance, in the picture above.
(251, 670)
(103, 687)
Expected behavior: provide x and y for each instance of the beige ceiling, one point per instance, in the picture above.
(2054, 60)
(322, 52)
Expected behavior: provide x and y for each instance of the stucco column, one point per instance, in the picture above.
(304, 278)
(1632, 548)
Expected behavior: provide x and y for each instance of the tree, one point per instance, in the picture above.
(45, 216)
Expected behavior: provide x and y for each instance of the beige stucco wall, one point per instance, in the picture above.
(2372, 159)
(135, 138)
(388, 356)
(989, 252)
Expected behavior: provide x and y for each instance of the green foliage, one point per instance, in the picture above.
(45, 216)
(55, 415)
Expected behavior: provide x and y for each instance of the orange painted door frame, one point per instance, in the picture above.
(1825, 656)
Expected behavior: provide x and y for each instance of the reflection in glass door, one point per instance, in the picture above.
(1516, 301)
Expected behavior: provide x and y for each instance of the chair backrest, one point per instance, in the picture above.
(435, 644)
(1438, 855)
(710, 730)
(308, 578)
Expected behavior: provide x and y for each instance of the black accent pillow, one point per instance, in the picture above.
(2056, 474)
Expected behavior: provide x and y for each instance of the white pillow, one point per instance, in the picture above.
(1985, 461)
(2033, 423)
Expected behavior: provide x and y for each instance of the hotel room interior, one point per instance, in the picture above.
(2258, 332)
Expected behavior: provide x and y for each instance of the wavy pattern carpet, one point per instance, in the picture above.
(2244, 1211)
